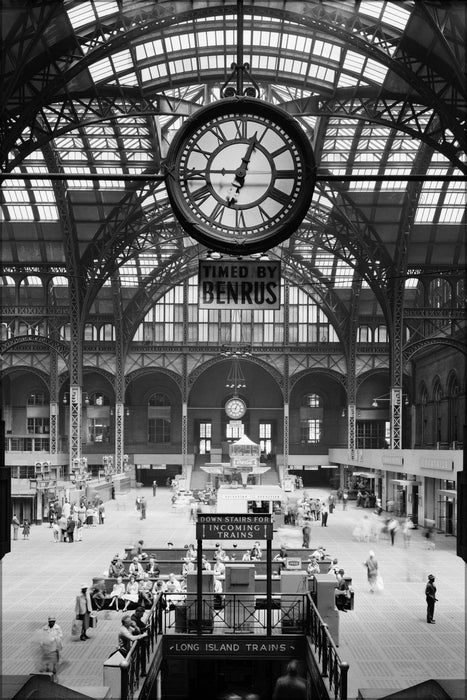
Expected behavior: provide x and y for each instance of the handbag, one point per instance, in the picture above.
(379, 585)
(75, 628)
(93, 620)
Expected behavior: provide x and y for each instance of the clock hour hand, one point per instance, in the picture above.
(240, 173)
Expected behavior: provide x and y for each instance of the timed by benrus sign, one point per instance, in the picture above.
(239, 284)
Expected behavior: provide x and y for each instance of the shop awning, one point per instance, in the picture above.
(447, 492)
(366, 475)
(405, 482)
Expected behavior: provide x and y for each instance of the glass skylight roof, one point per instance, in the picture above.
(390, 13)
(85, 13)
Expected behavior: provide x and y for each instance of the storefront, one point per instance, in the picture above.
(446, 511)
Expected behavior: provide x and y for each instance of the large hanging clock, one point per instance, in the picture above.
(240, 175)
(235, 408)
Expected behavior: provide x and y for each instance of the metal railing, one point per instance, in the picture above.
(331, 668)
(142, 652)
(294, 614)
(236, 613)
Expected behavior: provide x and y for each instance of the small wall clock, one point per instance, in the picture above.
(235, 408)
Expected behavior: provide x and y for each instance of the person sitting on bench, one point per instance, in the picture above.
(118, 591)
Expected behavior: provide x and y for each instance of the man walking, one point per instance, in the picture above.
(430, 594)
(16, 525)
(290, 685)
(51, 643)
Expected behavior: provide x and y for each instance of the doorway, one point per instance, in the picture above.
(220, 679)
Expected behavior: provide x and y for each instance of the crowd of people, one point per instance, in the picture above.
(138, 584)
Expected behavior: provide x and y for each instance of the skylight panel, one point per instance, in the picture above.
(390, 13)
(149, 50)
(159, 70)
(375, 71)
(101, 69)
(321, 73)
(365, 184)
(344, 275)
(327, 50)
(399, 185)
(454, 204)
(14, 191)
(110, 184)
(87, 13)
(122, 60)
(128, 79)
(20, 213)
(129, 274)
(353, 62)
(78, 184)
(325, 263)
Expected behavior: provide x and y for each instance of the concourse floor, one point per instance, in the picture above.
(385, 640)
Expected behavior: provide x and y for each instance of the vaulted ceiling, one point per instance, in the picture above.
(94, 90)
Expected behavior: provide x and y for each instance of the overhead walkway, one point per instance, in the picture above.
(385, 640)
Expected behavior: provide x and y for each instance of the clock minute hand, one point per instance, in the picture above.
(241, 171)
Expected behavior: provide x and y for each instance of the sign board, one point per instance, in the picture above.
(234, 526)
(238, 284)
(233, 646)
(244, 462)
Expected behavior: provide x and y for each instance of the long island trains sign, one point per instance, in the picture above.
(239, 284)
(234, 527)
(232, 646)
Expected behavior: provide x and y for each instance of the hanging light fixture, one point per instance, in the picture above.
(235, 379)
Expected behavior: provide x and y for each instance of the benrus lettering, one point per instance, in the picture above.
(248, 284)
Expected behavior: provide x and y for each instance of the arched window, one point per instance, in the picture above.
(65, 332)
(453, 407)
(437, 398)
(37, 398)
(381, 334)
(460, 294)
(311, 419)
(439, 293)
(159, 418)
(107, 332)
(312, 400)
(364, 334)
(423, 416)
(90, 332)
(98, 416)
(38, 419)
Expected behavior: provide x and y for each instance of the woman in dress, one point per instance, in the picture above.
(83, 608)
(131, 594)
(136, 568)
(118, 591)
(26, 529)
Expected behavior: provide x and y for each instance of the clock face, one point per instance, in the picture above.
(235, 408)
(240, 175)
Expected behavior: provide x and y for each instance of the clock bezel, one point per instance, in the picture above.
(229, 242)
(227, 404)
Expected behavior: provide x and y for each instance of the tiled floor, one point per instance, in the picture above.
(385, 639)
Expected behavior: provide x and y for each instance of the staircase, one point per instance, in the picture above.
(200, 478)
